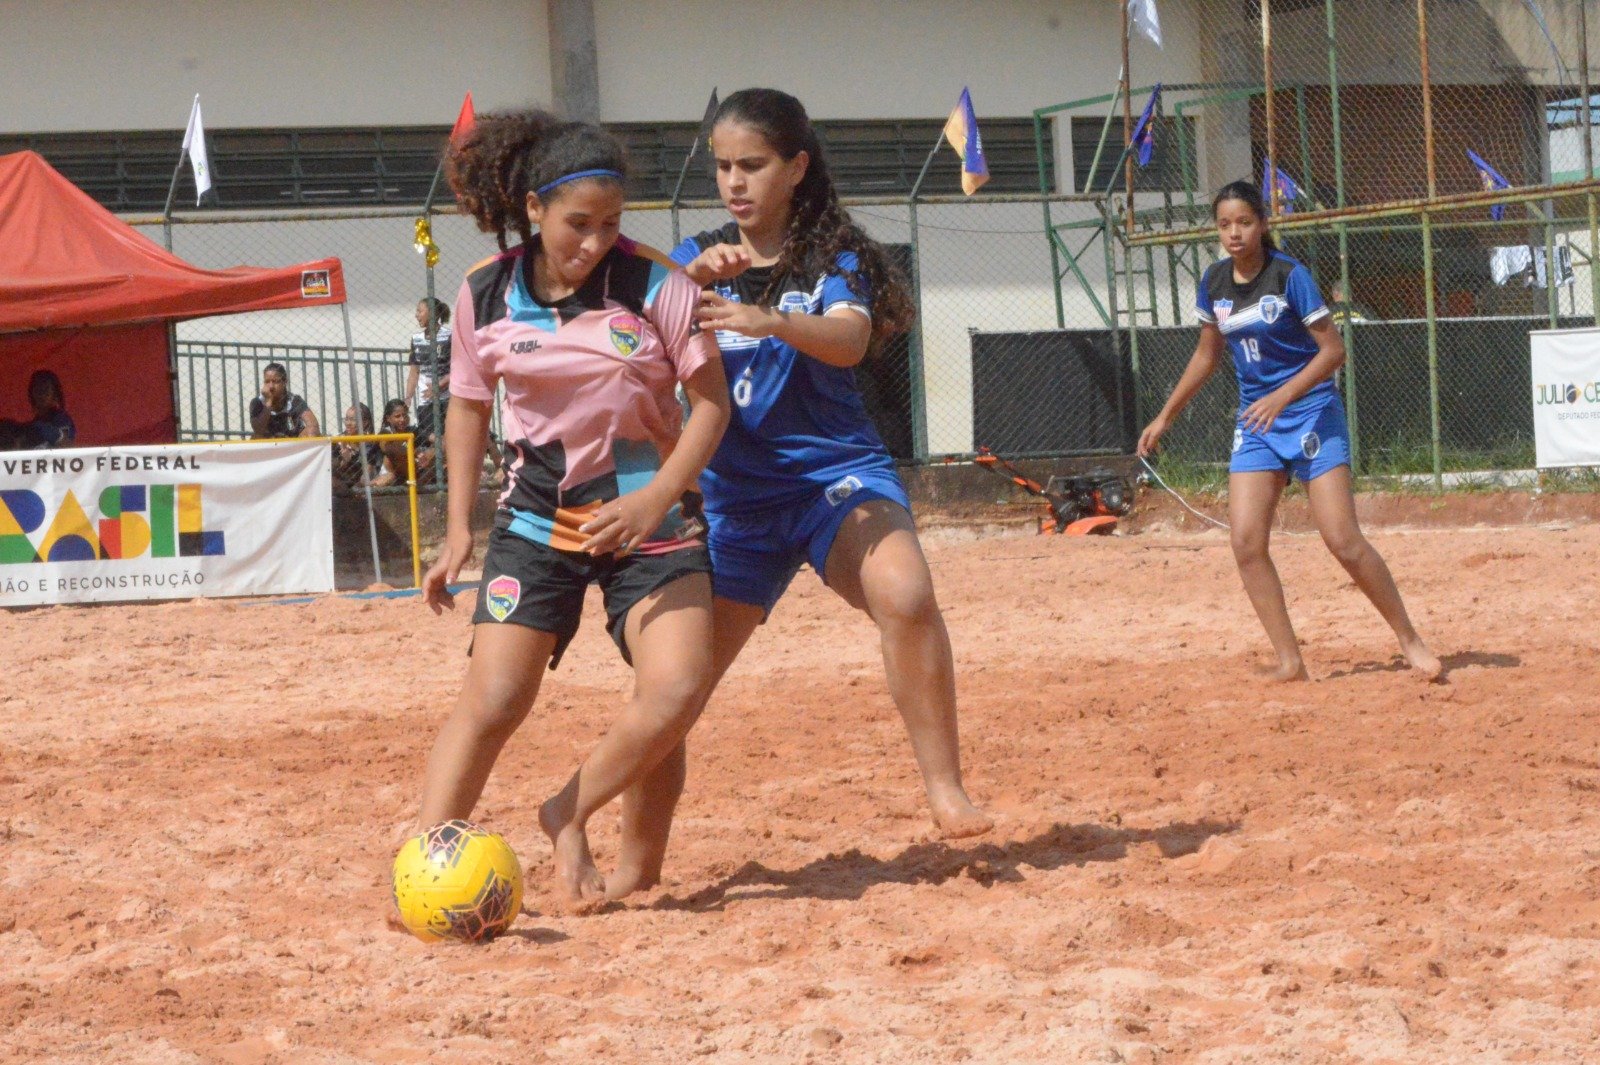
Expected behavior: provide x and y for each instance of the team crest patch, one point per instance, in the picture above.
(1223, 308)
(1271, 308)
(625, 334)
(842, 490)
(504, 593)
(796, 302)
(1310, 445)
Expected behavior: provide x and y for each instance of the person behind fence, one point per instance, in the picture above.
(590, 337)
(1264, 308)
(799, 294)
(51, 426)
(397, 419)
(429, 370)
(1342, 309)
(277, 412)
(347, 456)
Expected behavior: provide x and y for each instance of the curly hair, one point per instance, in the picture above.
(820, 229)
(509, 154)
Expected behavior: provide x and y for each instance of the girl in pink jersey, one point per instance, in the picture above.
(589, 337)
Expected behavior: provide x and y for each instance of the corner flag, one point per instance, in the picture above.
(961, 130)
(1142, 13)
(1492, 180)
(194, 144)
(465, 121)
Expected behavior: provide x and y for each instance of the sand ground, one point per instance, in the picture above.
(198, 803)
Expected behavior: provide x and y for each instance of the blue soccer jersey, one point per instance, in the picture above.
(798, 425)
(1264, 322)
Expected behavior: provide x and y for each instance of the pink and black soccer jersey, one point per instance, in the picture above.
(590, 409)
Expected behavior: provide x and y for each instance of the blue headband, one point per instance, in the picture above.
(547, 186)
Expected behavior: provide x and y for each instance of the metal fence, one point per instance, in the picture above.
(1055, 323)
(1432, 162)
(979, 268)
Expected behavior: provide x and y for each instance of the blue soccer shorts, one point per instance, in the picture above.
(1304, 445)
(755, 555)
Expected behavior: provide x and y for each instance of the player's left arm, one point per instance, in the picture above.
(1329, 357)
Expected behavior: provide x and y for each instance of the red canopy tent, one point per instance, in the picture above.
(85, 295)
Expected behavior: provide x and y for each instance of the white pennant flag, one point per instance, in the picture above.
(194, 143)
(1142, 13)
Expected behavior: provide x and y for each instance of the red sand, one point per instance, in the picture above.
(198, 804)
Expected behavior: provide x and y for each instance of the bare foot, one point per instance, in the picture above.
(632, 874)
(956, 816)
(1285, 672)
(1421, 659)
(578, 882)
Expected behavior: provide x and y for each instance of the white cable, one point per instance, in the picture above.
(1179, 498)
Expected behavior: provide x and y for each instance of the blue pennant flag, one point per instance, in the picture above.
(1275, 184)
(961, 130)
(1493, 181)
(1144, 131)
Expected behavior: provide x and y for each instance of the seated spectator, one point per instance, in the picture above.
(277, 412)
(347, 457)
(397, 419)
(51, 427)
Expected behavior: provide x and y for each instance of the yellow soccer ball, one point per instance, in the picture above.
(457, 881)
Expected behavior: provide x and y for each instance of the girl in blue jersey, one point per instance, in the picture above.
(1265, 308)
(798, 294)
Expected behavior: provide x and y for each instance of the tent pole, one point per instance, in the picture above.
(366, 476)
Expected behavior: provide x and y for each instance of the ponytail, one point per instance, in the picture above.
(1249, 194)
(510, 154)
(820, 229)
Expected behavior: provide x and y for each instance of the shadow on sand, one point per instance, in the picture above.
(850, 875)
(1459, 660)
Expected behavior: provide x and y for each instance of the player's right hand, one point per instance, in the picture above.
(718, 263)
(1150, 439)
(456, 553)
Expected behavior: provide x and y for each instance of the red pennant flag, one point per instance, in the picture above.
(464, 121)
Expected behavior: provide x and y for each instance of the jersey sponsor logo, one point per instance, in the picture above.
(840, 491)
(1272, 307)
(504, 593)
(1222, 309)
(626, 332)
(525, 347)
(1310, 445)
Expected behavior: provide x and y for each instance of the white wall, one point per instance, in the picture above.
(870, 60)
(108, 65)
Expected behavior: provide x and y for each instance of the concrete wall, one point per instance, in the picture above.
(103, 65)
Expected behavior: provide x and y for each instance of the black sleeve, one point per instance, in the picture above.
(255, 407)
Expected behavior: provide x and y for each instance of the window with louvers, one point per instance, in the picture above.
(368, 166)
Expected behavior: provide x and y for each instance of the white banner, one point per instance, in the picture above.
(1566, 397)
(93, 525)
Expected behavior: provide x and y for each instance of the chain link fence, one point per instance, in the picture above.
(1054, 324)
(979, 369)
(1432, 162)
